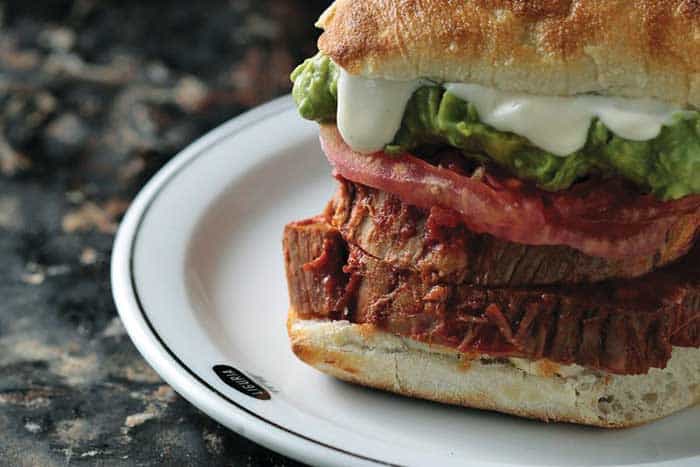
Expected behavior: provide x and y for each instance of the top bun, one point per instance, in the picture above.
(634, 48)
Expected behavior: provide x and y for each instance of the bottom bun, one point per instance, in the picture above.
(544, 390)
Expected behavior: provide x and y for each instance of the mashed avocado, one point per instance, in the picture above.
(668, 166)
(316, 88)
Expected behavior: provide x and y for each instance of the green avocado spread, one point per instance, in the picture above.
(667, 166)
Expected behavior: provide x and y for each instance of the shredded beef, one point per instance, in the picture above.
(314, 256)
(624, 326)
(436, 244)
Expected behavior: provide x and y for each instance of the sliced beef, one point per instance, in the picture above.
(436, 244)
(314, 256)
(621, 326)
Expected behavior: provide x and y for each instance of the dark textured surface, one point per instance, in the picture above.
(94, 98)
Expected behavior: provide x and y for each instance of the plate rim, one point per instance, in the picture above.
(152, 346)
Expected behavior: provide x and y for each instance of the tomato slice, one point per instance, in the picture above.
(600, 218)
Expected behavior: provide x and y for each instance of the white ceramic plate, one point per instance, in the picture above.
(198, 278)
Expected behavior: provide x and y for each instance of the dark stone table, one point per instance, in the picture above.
(94, 98)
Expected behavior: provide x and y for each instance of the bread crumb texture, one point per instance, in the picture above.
(645, 48)
(539, 389)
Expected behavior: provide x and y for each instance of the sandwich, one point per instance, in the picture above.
(514, 227)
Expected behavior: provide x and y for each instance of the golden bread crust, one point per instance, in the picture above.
(635, 48)
(540, 390)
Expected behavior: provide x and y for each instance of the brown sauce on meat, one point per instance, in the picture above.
(623, 326)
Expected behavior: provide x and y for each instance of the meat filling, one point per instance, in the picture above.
(436, 244)
(624, 326)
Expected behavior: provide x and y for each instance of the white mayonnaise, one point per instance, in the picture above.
(370, 110)
(370, 113)
(560, 124)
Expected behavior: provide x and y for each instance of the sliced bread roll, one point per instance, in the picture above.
(645, 48)
(539, 389)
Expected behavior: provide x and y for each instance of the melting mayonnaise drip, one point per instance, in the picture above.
(370, 113)
(560, 124)
(370, 110)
